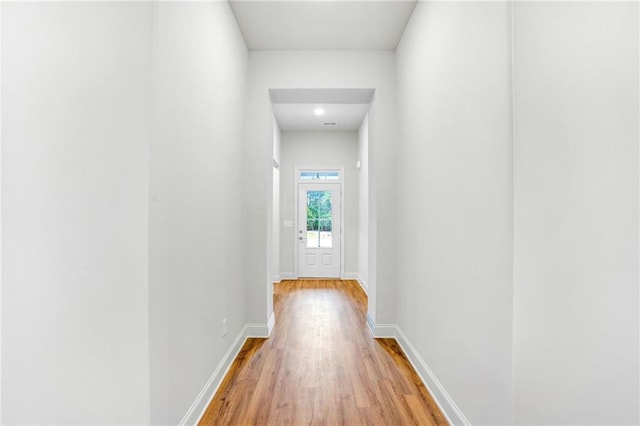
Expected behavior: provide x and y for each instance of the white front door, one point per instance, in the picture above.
(319, 230)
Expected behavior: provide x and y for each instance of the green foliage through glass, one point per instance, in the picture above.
(319, 218)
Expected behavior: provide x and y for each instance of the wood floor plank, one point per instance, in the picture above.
(321, 367)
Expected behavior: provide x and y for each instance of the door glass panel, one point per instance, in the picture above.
(319, 175)
(319, 219)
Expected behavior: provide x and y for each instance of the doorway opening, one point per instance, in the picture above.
(319, 223)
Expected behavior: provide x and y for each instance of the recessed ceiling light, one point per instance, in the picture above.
(318, 111)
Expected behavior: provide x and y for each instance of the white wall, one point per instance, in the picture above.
(196, 231)
(320, 69)
(576, 213)
(454, 201)
(1, 211)
(126, 238)
(362, 268)
(277, 142)
(75, 86)
(319, 148)
(574, 176)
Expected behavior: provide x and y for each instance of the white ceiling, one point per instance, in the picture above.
(294, 108)
(322, 24)
(327, 96)
(300, 117)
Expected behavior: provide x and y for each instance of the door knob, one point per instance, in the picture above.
(300, 238)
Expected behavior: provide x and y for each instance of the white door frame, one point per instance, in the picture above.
(340, 181)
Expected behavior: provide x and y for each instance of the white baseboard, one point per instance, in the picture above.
(258, 330)
(197, 409)
(271, 322)
(356, 276)
(371, 325)
(288, 276)
(363, 284)
(350, 276)
(381, 330)
(385, 331)
(448, 407)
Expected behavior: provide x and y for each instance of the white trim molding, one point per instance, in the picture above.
(288, 276)
(1, 209)
(271, 323)
(448, 407)
(199, 406)
(363, 284)
(381, 330)
(371, 325)
(356, 276)
(350, 276)
(258, 330)
(276, 278)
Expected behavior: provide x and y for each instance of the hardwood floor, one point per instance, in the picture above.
(321, 366)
